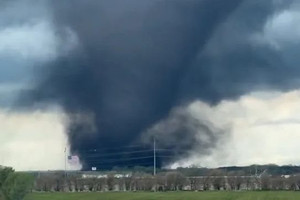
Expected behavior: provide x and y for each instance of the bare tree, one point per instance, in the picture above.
(206, 182)
(265, 181)
(148, 182)
(278, 183)
(195, 183)
(161, 182)
(44, 183)
(80, 184)
(256, 183)
(175, 180)
(248, 181)
(127, 182)
(110, 181)
(59, 182)
(218, 179)
(90, 183)
(101, 183)
(235, 180)
(294, 182)
(71, 182)
(120, 183)
(231, 180)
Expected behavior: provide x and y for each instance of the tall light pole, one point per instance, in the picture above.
(65, 162)
(154, 157)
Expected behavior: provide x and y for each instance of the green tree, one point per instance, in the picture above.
(16, 186)
(4, 173)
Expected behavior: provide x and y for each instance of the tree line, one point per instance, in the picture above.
(164, 181)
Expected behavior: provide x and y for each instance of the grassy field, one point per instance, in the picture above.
(167, 196)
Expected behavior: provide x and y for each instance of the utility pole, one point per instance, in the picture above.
(154, 157)
(65, 162)
(65, 181)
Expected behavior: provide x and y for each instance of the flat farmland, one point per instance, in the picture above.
(249, 195)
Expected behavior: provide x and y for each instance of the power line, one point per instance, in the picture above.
(111, 161)
(118, 153)
(113, 148)
(138, 164)
(99, 154)
(126, 159)
(145, 145)
(131, 155)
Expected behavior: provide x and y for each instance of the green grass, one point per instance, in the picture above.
(167, 196)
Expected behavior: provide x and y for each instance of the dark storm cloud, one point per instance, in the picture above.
(20, 12)
(234, 62)
(19, 24)
(136, 60)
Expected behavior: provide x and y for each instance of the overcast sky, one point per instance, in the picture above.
(30, 140)
(262, 124)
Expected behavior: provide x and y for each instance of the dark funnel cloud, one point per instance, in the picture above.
(137, 60)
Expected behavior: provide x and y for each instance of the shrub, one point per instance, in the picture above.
(16, 186)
